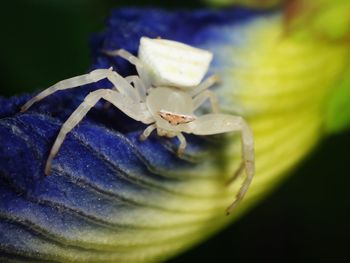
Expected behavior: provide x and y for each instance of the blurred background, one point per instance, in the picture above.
(306, 219)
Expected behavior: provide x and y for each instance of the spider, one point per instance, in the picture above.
(164, 95)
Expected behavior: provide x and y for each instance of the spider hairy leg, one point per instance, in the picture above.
(206, 84)
(140, 93)
(123, 86)
(199, 99)
(74, 82)
(183, 144)
(223, 123)
(140, 67)
(133, 109)
(238, 172)
(147, 132)
(139, 86)
(125, 55)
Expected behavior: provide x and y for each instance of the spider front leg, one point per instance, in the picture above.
(131, 108)
(140, 67)
(147, 132)
(206, 84)
(138, 85)
(202, 97)
(118, 81)
(223, 123)
(74, 82)
(183, 144)
(140, 94)
(201, 94)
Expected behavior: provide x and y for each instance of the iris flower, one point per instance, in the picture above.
(113, 198)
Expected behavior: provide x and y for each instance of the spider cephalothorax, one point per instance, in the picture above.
(164, 95)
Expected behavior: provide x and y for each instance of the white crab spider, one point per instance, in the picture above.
(164, 95)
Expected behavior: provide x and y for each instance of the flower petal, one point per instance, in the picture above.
(112, 198)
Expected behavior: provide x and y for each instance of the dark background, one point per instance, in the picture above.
(306, 219)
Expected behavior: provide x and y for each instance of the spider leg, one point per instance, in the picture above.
(222, 123)
(94, 76)
(74, 82)
(140, 67)
(147, 132)
(182, 145)
(199, 99)
(139, 86)
(238, 172)
(133, 109)
(212, 80)
(123, 86)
